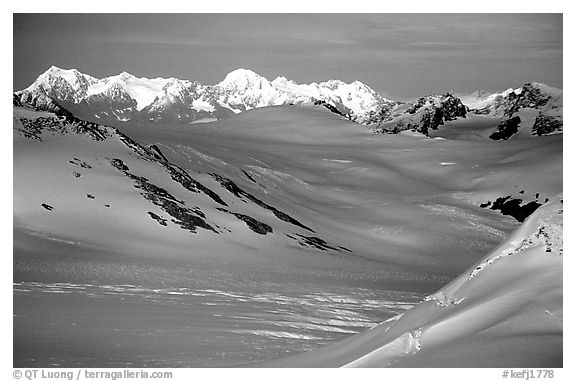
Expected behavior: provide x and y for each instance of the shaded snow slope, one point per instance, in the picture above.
(505, 311)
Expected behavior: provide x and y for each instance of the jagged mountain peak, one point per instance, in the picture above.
(241, 89)
(531, 95)
(425, 114)
(540, 88)
(124, 97)
(64, 84)
(71, 76)
(177, 85)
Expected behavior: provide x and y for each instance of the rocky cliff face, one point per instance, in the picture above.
(547, 124)
(542, 104)
(427, 113)
(39, 102)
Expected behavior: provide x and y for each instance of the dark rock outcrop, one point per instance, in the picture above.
(252, 223)
(39, 102)
(513, 207)
(547, 124)
(187, 218)
(48, 207)
(231, 187)
(427, 113)
(339, 110)
(315, 242)
(530, 97)
(506, 129)
(157, 218)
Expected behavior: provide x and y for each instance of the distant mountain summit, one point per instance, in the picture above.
(536, 105)
(124, 97)
(427, 113)
(127, 98)
(532, 95)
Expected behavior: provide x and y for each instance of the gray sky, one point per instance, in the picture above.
(400, 55)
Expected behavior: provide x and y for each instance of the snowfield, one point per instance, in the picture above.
(284, 236)
(506, 310)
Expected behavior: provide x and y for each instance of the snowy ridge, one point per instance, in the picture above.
(480, 99)
(532, 95)
(126, 97)
(512, 290)
(427, 113)
(143, 90)
(533, 109)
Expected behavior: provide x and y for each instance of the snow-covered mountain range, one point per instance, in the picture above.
(125, 97)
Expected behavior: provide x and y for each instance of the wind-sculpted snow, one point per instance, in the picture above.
(241, 326)
(515, 288)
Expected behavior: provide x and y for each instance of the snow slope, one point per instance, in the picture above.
(79, 168)
(406, 206)
(504, 311)
(143, 90)
(481, 99)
